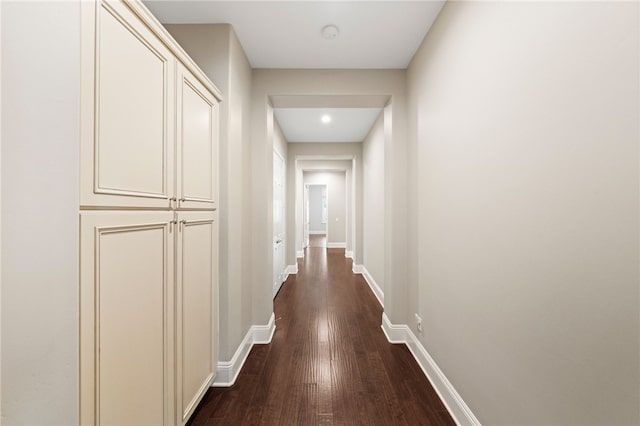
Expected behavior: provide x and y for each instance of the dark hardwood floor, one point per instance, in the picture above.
(329, 362)
(318, 240)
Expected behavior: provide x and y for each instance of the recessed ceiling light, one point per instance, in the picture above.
(326, 119)
(330, 32)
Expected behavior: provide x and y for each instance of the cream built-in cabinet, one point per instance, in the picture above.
(196, 314)
(148, 222)
(129, 110)
(197, 123)
(127, 325)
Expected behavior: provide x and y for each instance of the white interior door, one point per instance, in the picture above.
(305, 232)
(279, 263)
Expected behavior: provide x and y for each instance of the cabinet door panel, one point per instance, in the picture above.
(126, 318)
(197, 143)
(129, 150)
(197, 316)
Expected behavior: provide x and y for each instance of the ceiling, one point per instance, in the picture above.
(288, 34)
(306, 125)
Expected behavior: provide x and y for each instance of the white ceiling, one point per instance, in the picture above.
(305, 124)
(287, 34)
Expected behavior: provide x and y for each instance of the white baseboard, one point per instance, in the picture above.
(375, 288)
(373, 285)
(349, 254)
(336, 245)
(401, 333)
(317, 232)
(262, 334)
(300, 254)
(228, 370)
(292, 269)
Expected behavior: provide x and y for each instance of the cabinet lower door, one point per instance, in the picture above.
(196, 311)
(126, 318)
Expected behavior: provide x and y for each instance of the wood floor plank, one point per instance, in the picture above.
(329, 362)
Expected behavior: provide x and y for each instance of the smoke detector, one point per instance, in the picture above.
(330, 32)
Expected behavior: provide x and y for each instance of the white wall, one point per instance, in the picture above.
(40, 197)
(316, 225)
(524, 130)
(336, 187)
(373, 241)
(216, 49)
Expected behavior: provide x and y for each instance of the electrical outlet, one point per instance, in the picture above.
(418, 322)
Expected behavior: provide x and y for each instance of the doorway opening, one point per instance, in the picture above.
(316, 215)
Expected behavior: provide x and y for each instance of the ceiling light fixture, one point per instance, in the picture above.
(330, 32)
(326, 119)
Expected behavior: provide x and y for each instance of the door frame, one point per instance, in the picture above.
(307, 213)
(352, 205)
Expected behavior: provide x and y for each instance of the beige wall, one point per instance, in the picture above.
(336, 195)
(524, 127)
(373, 242)
(40, 197)
(215, 48)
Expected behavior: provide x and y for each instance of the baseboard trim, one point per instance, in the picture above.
(300, 254)
(375, 288)
(349, 254)
(401, 333)
(291, 269)
(262, 334)
(228, 370)
(336, 245)
(373, 285)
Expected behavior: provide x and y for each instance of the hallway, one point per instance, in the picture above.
(329, 362)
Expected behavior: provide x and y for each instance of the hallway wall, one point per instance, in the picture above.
(216, 49)
(523, 137)
(40, 197)
(373, 241)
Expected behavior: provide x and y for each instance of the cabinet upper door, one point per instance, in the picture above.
(128, 111)
(197, 144)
